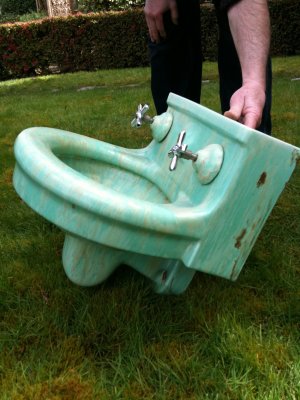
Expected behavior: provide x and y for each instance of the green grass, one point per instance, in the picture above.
(219, 340)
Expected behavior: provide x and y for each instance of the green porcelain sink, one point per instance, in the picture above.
(125, 206)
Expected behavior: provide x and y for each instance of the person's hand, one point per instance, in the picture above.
(247, 104)
(154, 10)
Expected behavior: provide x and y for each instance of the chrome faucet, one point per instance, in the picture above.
(140, 116)
(180, 151)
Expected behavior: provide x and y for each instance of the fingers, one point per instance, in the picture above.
(249, 119)
(246, 105)
(156, 28)
(174, 12)
(154, 12)
(252, 120)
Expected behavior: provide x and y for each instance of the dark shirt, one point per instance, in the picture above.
(224, 4)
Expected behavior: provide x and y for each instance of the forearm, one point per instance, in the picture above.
(250, 27)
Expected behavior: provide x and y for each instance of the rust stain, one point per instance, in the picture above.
(238, 242)
(262, 179)
(255, 224)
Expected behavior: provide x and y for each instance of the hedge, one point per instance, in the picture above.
(285, 24)
(114, 40)
(17, 7)
(108, 5)
(83, 42)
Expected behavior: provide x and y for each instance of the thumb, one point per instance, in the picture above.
(236, 108)
(232, 115)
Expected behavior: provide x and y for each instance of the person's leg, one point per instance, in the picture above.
(231, 76)
(176, 62)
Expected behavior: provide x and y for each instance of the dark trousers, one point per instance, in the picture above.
(176, 62)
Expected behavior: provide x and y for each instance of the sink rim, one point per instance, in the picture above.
(35, 151)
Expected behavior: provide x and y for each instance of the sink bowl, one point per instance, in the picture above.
(119, 205)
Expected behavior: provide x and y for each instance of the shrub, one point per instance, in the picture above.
(285, 17)
(83, 42)
(114, 40)
(108, 5)
(113, 5)
(17, 7)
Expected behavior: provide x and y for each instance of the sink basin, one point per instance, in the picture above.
(119, 205)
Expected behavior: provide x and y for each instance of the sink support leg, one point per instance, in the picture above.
(88, 263)
(169, 276)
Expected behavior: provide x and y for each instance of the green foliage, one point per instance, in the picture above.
(32, 16)
(113, 5)
(107, 5)
(17, 7)
(285, 17)
(83, 42)
(115, 40)
(209, 32)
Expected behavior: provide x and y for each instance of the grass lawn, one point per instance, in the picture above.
(119, 340)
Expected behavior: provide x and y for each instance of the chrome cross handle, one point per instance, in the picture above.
(140, 116)
(180, 151)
